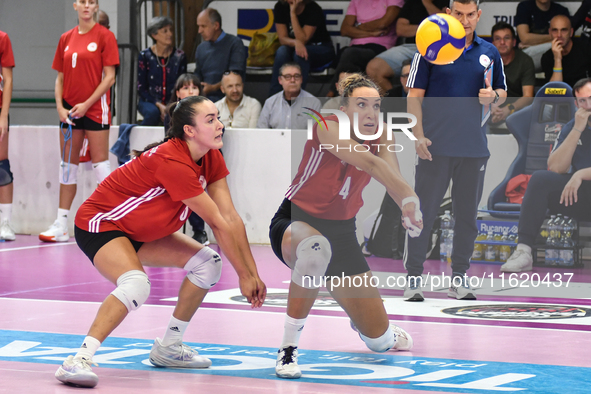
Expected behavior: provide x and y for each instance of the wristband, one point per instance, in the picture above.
(557, 70)
(411, 199)
(580, 131)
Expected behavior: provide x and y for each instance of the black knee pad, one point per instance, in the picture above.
(5, 174)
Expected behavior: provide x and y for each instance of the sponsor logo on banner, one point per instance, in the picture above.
(520, 312)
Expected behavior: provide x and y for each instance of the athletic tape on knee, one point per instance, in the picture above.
(101, 170)
(5, 174)
(312, 257)
(133, 289)
(382, 343)
(204, 268)
(68, 173)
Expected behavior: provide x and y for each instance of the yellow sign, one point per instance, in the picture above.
(560, 91)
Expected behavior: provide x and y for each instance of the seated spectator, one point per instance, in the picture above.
(218, 52)
(565, 188)
(370, 24)
(387, 64)
(186, 85)
(103, 19)
(533, 20)
(301, 28)
(335, 102)
(158, 68)
(237, 109)
(278, 109)
(519, 72)
(569, 60)
(582, 18)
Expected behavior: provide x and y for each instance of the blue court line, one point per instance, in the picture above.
(389, 370)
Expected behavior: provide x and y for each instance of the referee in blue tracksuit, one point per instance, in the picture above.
(451, 144)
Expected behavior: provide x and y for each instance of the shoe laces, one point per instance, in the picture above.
(57, 225)
(414, 282)
(187, 352)
(518, 253)
(6, 225)
(84, 363)
(288, 355)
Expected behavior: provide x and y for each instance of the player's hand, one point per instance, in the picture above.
(261, 293)
(486, 95)
(581, 118)
(63, 114)
(248, 288)
(421, 146)
(78, 111)
(3, 127)
(500, 114)
(569, 193)
(412, 219)
(300, 49)
(557, 49)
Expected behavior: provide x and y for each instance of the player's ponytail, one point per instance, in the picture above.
(181, 114)
(354, 81)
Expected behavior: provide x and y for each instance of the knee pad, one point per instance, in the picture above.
(312, 257)
(5, 174)
(68, 173)
(204, 268)
(101, 170)
(133, 289)
(382, 343)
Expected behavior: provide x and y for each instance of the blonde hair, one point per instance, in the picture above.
(354, 81)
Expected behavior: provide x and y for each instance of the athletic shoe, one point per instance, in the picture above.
(201, 237)
(56, 233)
(461, 292)
(177, 355)
(519, 261)
(403, 339)
(287, 363)
(6, 232)
(412, 290)
(77, 372)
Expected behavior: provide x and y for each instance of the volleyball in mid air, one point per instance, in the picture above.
(441, 39)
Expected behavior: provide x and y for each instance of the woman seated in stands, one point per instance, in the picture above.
(301, 28)
(159, 66)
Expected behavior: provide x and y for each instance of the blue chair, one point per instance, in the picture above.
(535, 128)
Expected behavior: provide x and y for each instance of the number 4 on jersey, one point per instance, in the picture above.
(345, 189)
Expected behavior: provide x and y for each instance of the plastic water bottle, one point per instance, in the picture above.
(566, 241)
(449, 244)
(505, 249)
(490, 253)
(443, 243)
(550, 255)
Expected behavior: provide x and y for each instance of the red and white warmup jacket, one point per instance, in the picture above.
(144, 197)
(81, 58)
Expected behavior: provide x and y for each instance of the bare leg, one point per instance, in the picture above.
(68, 192)
(380, 72)
(6, 190)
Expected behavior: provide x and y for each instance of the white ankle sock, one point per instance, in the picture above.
(88, 348)
(5, 212)
(524, 248)
(174, 332)
(62, 217)
(292, 331)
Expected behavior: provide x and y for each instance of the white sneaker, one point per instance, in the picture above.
(56, 233)
(519, 261)
(177, 355)
(287, 363)
(403, 339)
(6, 232)
(412, 290)
(461, 292)
(77, 372)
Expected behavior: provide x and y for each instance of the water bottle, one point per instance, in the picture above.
(445, 227)
(449, 244)
(505, 249)
(550, 255)
(566, 241)
(478, 253)
(490, 253)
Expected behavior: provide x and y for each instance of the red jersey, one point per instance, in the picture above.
(82, 57)
(6, 58)
(144, 197)
(325, 186)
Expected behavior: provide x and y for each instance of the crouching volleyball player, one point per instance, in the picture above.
(131, 219)
(313, 232)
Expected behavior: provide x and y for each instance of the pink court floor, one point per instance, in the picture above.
(525, 333)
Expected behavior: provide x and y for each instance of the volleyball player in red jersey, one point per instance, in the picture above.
(6, 185)
(313, 232)
(131, 221)
(85, 62)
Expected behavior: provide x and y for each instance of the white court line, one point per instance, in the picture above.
(38, 246)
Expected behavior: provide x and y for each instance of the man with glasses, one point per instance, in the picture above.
(278, 109)
(566, 186)
(451, 144)
(237, 109)
(519, 72)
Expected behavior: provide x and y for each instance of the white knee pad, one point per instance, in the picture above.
(382, 343)
(101, 170)
(205, 268)
(312, 257)
(68, 173)
(133, 289)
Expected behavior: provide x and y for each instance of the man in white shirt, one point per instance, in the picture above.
(278, 109)
(235, 109)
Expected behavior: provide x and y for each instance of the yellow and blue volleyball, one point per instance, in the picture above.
(441, 39)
